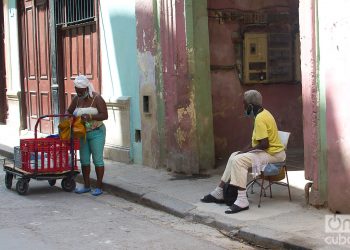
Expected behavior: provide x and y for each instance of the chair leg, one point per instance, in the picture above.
(286, 171)
(270, 188)
(250, 186)
(261, 190)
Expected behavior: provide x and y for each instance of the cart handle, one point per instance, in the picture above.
(46, 116)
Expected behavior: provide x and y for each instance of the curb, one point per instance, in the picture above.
(252, 234)
(6, 151)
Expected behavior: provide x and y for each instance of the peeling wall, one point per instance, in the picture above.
(232, 130)
(186, 86)
(197, 40)
(182, 155)
(149, 82)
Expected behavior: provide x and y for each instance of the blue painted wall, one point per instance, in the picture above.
(119, 62)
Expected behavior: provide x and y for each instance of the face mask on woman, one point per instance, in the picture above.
(84, 95)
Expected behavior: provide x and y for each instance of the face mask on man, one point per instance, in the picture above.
(249, 111)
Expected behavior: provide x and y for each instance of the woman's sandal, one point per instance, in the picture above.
(82, 190)
(97, 192)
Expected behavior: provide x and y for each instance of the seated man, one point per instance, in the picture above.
(266, 148)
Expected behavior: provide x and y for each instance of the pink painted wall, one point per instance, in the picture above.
(334, 26)
(309, 89)
(232, 130)
(145, 27)
(182, 154)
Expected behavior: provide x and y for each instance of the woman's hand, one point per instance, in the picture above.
(86, 117)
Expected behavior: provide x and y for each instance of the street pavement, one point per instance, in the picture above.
(278, 223)
(49, 218)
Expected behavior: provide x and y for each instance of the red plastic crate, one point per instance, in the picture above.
(53, 155)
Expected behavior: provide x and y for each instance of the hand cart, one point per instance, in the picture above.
(44, 159)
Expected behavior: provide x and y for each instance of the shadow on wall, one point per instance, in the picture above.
(337, 151)
(123, 28)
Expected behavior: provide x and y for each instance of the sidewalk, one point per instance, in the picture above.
(278, 223)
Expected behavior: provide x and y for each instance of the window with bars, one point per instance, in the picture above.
(71, 12)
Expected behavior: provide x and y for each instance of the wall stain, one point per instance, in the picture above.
(183, 114)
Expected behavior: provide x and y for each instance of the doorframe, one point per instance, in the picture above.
(22, 97)
(3, 84)
(55, 104)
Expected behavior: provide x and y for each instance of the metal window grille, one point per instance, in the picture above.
(70, 12)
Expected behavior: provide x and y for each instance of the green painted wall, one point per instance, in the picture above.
(159, 84)
(119, 62)
(197, 36)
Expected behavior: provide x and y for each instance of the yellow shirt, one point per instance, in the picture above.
(265, 127)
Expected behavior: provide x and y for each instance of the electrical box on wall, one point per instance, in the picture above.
(268, 58)
(255, 58)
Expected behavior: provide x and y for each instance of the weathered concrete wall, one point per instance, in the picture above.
(334, 40)
(150, 83)
(173, 58)
(197, 36)
(181, 141)
(232, 130)
(185, 70)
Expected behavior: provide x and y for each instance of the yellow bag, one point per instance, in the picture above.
(79, 130)
(64, 129)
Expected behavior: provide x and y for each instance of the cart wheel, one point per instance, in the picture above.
(68, 184)
(52, 183)
(8, 180)
(22, 186)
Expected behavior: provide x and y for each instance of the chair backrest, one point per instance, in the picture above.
(284, 137)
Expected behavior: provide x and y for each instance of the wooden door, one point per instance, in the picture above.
(34, 27)
(3, 99)
(80, 55)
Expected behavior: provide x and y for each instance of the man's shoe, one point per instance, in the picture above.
(211, 199)
(236, 209)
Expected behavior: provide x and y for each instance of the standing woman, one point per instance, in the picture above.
(93, 111)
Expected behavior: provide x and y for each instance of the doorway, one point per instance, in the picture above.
(36, 68)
